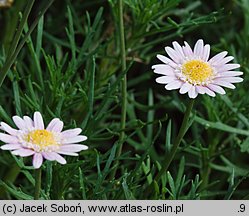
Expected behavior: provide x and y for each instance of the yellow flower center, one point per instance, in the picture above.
(42, 140)
(197, 71)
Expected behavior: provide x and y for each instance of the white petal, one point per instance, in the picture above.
(228, 67)
(28, 121)
(185, 88)
(48, 156)
(224, 84)
(163, 69)
(231, 79)
(206, 52)
(72, 140)
(52, 123)
(209, 92)
(224, 60)
(23, 152)
(217, 58)
(173, 54)
(198, 49)
(178, 49)
(55, 125)
(68, 153)
(230, 73)
(71, 133)
(192, 93)
(38, 121)
(19, 122)
(59, 158)
(216, 88)
(174, 85)
(37, 160)
(8, 138)
(200, 89)
(166, 60)
(58, 127)
(73, 148)
(11, 146)
(9, 129)
(187, 50)
(165, 79)
(53, 156)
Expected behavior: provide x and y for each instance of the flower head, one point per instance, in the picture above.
(31, 138)
(192, 71)
(6, 3)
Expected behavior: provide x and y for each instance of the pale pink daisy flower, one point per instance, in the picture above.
(31, 138)
(194, 73)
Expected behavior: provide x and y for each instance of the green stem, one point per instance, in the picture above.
(123, 84)
(166, 163)
(9, 60)
(21, 27)
(14, 51)
(38, 174)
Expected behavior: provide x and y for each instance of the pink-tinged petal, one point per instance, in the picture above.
(185, 88)
(38, 121)
(206, 52)
(230, 73)
(174, 85)
(224, 84)
(200, 89)
(19, 122)
(173, 54)
(187, 50)
(11, 146)
(8, 138)
(58, 127)
(217, 58)
(216, 88)
(55, 125)
(73, 148)
(52, 123)
(163, 69)
(71, 133)
(167, 61)
(9, 129)
(72, 140)
(165, 79)
(51, 156)
(68, 153)
(224, 60)
(192, 93)
(48, 156)
(37, 160)
(209, 92)
(228, 67)
(28, 121)
(178, 49)
(231, 79)
(23, 152)
(198, 49)
(59, 158)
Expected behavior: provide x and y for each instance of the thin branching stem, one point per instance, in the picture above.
(123, 82)
(12, 55)
(9, 60)
(183, 129)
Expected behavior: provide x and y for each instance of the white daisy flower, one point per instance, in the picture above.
(31, 138)
(192, 71)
